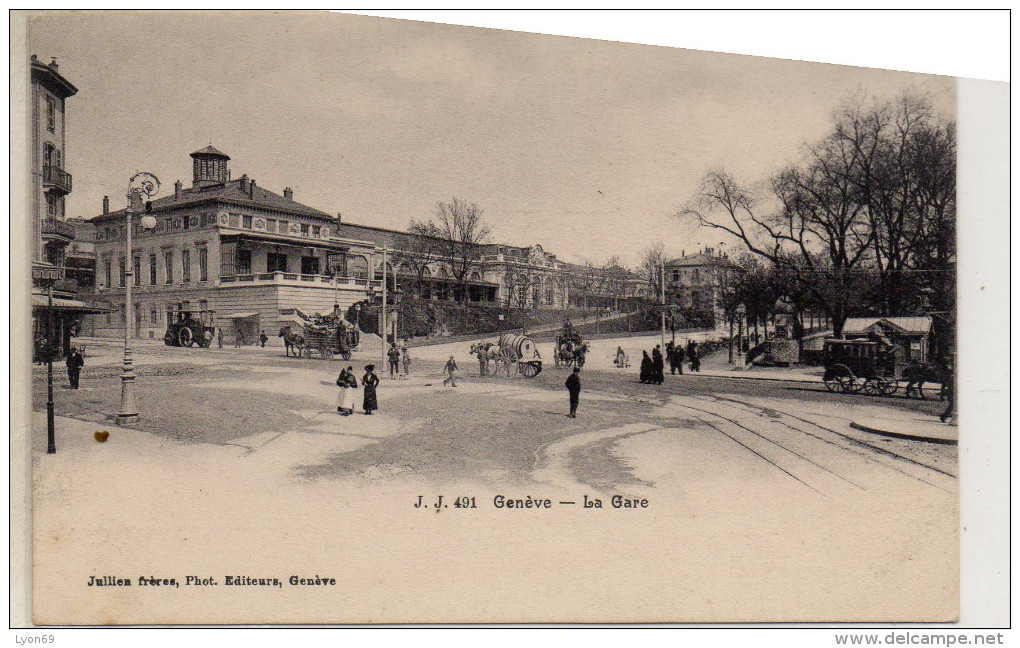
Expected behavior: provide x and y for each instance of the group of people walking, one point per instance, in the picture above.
(348, 384)
(653, 366)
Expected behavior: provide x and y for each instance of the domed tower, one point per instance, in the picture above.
(209, 167)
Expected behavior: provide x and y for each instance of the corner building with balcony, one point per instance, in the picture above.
(51, 231)
(231, 246)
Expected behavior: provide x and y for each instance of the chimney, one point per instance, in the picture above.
(251, 187)
(244, 183)
(178, 187)
(106, 204)
(288, 193)
(53, 63)
(339, 219)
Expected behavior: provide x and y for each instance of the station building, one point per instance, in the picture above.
(255, 256)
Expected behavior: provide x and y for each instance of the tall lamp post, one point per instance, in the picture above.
(142, 184)
(46, 277)
(741, 312)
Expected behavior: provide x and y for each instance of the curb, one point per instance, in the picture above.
(806, 381)
(899, 435)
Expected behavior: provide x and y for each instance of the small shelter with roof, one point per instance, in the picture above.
(912, 334)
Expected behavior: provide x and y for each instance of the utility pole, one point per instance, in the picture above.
(662, 283)
(382, 314)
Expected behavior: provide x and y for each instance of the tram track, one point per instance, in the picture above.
(848, 444)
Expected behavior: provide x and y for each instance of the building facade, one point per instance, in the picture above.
(697, 283)
(254, 257)
(57, 312)
(232, 247)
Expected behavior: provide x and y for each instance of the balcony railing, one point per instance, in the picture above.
(54, 227)
(324, 281)
(57, 178)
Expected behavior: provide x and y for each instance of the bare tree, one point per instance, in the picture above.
(421, 248)
(462, 234)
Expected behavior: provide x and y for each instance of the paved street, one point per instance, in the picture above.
(753, 479)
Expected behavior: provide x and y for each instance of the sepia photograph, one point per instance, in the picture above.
(342, 319)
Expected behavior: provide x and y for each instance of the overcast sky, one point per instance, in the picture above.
(584, 146)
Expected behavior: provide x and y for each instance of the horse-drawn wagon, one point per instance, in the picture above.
(570, 349)
(862, 364)
(326, 335)
(520, 350)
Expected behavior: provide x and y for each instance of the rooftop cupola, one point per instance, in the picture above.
(210, 167)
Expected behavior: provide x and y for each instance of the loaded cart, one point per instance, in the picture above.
(521, 350)
(330, 335)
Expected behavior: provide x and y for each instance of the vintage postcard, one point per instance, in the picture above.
(340, 320)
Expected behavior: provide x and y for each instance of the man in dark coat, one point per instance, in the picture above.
(658, 367)
(646, 367)
(75, 362)
(678, 358)
(573, 385)
(692, 355)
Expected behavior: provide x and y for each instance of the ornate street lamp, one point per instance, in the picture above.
(142, 184)
(741, 311)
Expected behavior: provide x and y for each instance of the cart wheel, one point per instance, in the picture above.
(874, 386)
(306, 352)
(834, 377)
(851, 384)
(531, 369)
(184, 337)
(346, 355)
(168, 339)
(326, 353)
(889, 386)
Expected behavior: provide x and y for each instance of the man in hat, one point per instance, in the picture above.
(75, 362)
(573, 385)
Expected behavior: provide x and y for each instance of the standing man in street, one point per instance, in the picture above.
(263, 339)
(573, 385)
(75, 362)
(394, 357)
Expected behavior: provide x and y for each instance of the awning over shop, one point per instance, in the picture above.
(59, 303)
(242, 315)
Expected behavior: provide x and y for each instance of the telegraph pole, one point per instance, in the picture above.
(382, 314)
(662, 282)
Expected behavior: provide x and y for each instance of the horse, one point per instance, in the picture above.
(491, 350)
(916, 375)
(580, 351)
(292, 340)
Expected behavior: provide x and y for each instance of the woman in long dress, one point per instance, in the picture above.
(341, 396)
(350, 384)
(370, 381)
(646, 367)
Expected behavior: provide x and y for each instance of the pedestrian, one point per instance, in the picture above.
(345, 399)
(370, 381)
(219, 337)
(451, 372)
(646, 367)
(658, 366)
(671, 357)
(75, 362)
(948, 388)
(394, 356)
(238, 340)
(263, 339)
(405, 357)
(573, 385)
(621, 358)
(692, 356)
(483, 360)
(678, 358)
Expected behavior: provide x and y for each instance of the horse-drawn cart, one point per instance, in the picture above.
(520, 350)
(855, 365)
(325, 335)
(570, 349)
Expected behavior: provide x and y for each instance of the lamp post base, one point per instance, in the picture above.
(126, 418)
